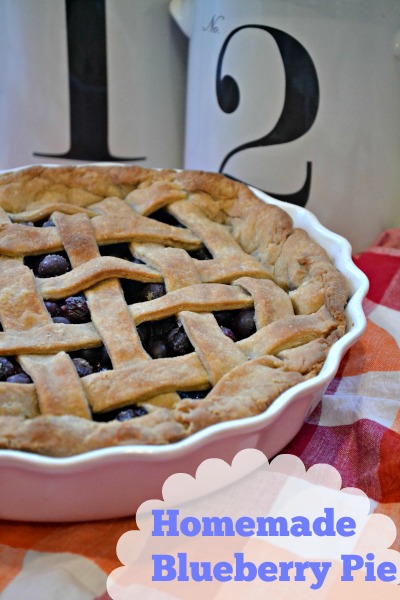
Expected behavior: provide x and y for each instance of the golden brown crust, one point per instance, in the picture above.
(258, 261)
(246, 391)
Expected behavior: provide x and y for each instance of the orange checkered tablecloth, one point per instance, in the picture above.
(355, 428)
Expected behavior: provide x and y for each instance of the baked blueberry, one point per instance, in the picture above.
(224, 317)
(244, 324)
(151, 291)
(19, 378)
(82, 367)
(48, 223)
(53, 265)
(121, 414)
(178, 341)
(92, 356)
(157, 349)
(53, 308)
(62, 320)
(126, 414)
(228, 332)
(7, 368)
(97, 358)
(76, 310)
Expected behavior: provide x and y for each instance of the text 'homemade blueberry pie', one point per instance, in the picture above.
(139, 306)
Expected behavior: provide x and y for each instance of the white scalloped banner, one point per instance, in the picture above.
(257, 529)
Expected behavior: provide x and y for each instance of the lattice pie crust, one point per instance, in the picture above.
(255, 260)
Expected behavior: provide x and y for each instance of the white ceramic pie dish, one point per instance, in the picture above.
(113, 482)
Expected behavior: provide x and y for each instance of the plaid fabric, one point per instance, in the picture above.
(355, 428)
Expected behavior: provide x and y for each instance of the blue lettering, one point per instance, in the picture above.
(190, 526)
(223, 571)
(163, 567)
(387, 571)
(351, 562)
(159, 523)
(324, 525)
(245, 571)
(346, 526)
(267, 571)
(245, 526)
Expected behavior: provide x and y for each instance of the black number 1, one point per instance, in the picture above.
(300, 105)
(88, 91)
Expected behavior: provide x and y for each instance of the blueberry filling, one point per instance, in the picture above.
(53, 308)
(53, 265)
(167, 338)
(151, 291)
(144, 333)
(7, 368)
(161, 339)
(19, 378)
(162, 327)
(117, 250)
(155, 330)
(135, 291)
(178, 341)
(48, 222)
(228, 332)
(164, 217)
(93, 356)
(91, 360)
(11, 372)
(201, 253)
(120, 251)
(82, 366)
(224, 317)
(75, 309)
(197, 395)
(164, 338)
(121, 414)
(158, 349)
(48, 265)
(62, 320)
(130, 413)
(132, 290)
(244, 324)
(241, 323)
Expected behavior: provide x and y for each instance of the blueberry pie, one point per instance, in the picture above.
(140, 306)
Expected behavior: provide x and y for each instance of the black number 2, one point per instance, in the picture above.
(88, 89)
(300, 105)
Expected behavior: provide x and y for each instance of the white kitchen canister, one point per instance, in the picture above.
(300, 98)
(91, 80)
